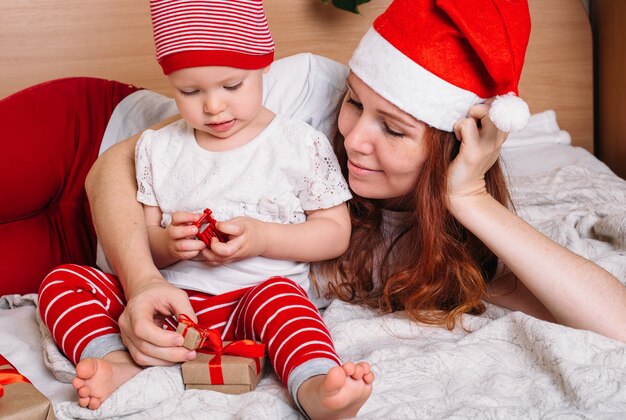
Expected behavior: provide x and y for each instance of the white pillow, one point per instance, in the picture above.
(306, 87)
(542, 128)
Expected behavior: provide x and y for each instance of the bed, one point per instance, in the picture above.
(505, 365)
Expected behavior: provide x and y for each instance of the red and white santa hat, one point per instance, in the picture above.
(232, 33)
(434, 59)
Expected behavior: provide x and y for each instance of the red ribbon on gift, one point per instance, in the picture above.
(214, 345)
(203, 331)
(242, 348)
(9, 375)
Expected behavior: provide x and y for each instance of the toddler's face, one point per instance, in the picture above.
(220, 103)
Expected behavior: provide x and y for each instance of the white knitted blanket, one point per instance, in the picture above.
(507, 366)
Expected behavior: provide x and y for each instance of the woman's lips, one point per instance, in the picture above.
(359, 170)
(221, 126)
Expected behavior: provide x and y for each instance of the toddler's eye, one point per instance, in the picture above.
(188, 93)
(234, 87)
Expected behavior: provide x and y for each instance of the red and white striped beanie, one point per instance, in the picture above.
(231, 33)
(434, 59)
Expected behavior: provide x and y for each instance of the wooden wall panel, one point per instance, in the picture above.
(46, 39)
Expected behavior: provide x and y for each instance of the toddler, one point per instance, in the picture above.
(276, 187)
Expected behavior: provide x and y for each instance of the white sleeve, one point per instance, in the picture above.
(323, 185)
(143, 169)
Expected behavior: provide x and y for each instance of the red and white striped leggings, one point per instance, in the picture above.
(79, 304)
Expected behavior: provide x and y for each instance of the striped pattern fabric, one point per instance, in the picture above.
(79, 304)
(190, 33)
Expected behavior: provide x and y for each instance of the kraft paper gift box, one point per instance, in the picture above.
(19, 399)
(230, 375)
(194, 337)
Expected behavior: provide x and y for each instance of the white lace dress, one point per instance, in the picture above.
(289, 168)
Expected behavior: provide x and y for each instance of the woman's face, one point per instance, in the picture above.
(385, 146)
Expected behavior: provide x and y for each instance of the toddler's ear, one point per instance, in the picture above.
(267, 68)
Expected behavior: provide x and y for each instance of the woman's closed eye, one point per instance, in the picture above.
(354, 103)
(386, 128)
(391, 132)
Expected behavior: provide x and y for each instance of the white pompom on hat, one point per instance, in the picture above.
(434, 59)
(196, 33)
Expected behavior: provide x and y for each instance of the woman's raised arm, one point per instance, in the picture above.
(576, 291)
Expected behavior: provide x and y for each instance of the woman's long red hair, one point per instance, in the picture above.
(439, 269)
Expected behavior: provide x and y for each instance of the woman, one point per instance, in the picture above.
(447, 199)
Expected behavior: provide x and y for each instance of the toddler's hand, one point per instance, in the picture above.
(182, 242)
(246, 239)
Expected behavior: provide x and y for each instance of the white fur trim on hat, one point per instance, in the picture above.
(408, 85)
(509, 112)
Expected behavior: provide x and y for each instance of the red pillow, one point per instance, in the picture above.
(51, 135)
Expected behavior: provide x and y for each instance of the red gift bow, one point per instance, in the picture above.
(203, 331)
(210, 230)
(9, 375)
(214, 345)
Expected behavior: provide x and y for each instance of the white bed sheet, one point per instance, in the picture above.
(21, 344)
(509, 366)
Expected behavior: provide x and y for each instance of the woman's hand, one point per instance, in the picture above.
(480, 147)
(247, 238)
(141, 323)
(555, 282)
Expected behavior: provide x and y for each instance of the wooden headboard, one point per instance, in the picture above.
(47, 39)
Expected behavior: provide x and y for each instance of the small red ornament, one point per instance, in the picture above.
(210, 230)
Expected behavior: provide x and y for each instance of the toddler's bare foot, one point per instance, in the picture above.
(339, 394)
(96, 379)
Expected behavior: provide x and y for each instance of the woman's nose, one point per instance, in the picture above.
(359, 138)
